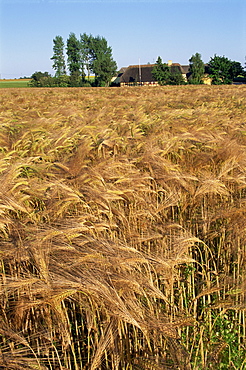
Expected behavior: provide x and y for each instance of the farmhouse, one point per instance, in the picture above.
(142, 74)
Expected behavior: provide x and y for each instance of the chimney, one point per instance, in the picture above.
(170, 62)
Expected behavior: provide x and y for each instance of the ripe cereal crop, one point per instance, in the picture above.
(122, 226)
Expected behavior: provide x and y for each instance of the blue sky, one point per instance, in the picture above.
(136, 30)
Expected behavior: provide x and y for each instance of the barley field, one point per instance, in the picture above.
(122, 226)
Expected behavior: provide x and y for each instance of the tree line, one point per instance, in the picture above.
(85, 56)
(89, 54)
(220, 70)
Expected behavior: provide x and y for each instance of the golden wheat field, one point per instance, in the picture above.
(123, 228)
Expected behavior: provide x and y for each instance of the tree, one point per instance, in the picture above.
(101, 60)
(223, 70)
(85, 43)
(74, 59)
(236, 69)
(161, 72)
(41, 79)
(62, 81)
(197, 69)
(59, 64)
(176, 77)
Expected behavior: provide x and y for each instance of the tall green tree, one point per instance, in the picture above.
(220, 70)
(197, 69)
(101, 61)
(74, 59)
(161, 72)
(58, 57)
(85, 49)
(223, 70)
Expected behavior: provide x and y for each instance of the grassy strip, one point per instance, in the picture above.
(14, 83)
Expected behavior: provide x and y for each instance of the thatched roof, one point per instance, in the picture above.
(132, 73)
(186, 69)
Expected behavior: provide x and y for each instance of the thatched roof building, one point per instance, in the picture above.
(142, 74)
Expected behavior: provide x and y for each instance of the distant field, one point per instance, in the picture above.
(14, 83)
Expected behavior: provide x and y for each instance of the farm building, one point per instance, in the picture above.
(142, 74)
